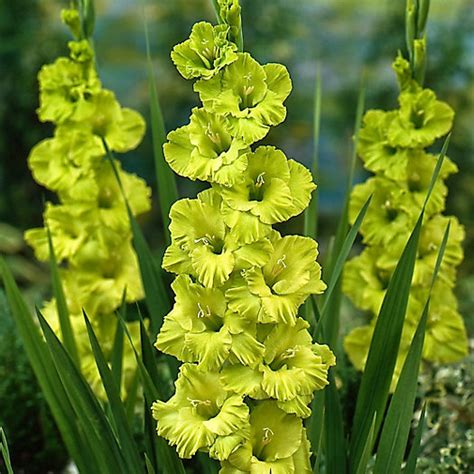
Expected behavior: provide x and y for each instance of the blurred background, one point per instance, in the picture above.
(341, 37)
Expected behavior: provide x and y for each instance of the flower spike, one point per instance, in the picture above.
(250, 367)
(392, 145)
(89, 227)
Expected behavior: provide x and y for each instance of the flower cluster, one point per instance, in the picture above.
(393, 146)
(89, 226)
(250, 367)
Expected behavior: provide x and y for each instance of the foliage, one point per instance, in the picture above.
(448, 442)
(34, 442)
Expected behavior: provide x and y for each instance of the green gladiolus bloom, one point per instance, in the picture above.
(294, 367)
(421, 120)
(201, 413)
(275, 441)
(272, 189)
(66, 90)
(121, 128)
(69, 226)
(250, 366)
(277, 289)
(214, 252)
(65, 164)
(201, 329)
(251, 95)
(205, 53)
(365, 282)
(206, 150)
(387, 216)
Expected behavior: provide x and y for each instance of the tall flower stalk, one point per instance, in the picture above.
(395, 146)
(89, 225)
(250, 367)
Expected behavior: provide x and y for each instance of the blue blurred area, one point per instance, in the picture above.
(344, 37)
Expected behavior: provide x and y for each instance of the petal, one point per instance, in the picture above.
(275, 434)
(278, 80)
(209, 349)
(301, 186)
(242, 380)
(127, 133)
(212, 269)
(170, 340)
(233, 416)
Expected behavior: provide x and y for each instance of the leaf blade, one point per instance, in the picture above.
(125, 437)
(48, 379)
(87, 408)
(61, 305)
(165, 178)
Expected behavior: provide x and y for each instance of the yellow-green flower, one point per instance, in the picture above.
(250, 366)
(272, 188)
(206, 150)
(205, 53)
(89, 226)
(393, 145)
(66, 91)
(200, 413)
(274, 291)
(250, 94)
(210, 250)
(201, 329)
(421, 120)
(275, 444)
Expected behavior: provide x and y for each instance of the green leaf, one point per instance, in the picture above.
(343, 253)
(165, 454)
(5, 452)
(132, 396)
(335, 442)
(367, 449)
(383, 351)
(437, 169)
(315, 426)
(125, 436)
(87, 12)
(151, 391)
(416, 445)
(375, 384)
(332, 270)
(311, 212)
(117, 353)
(165, 178)
(89, 413)
(148, 356)
(156, 296)
(208, 465)
(149, 466)
(397, 422)
(63, 312)
(216, 8)
(48, 379)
